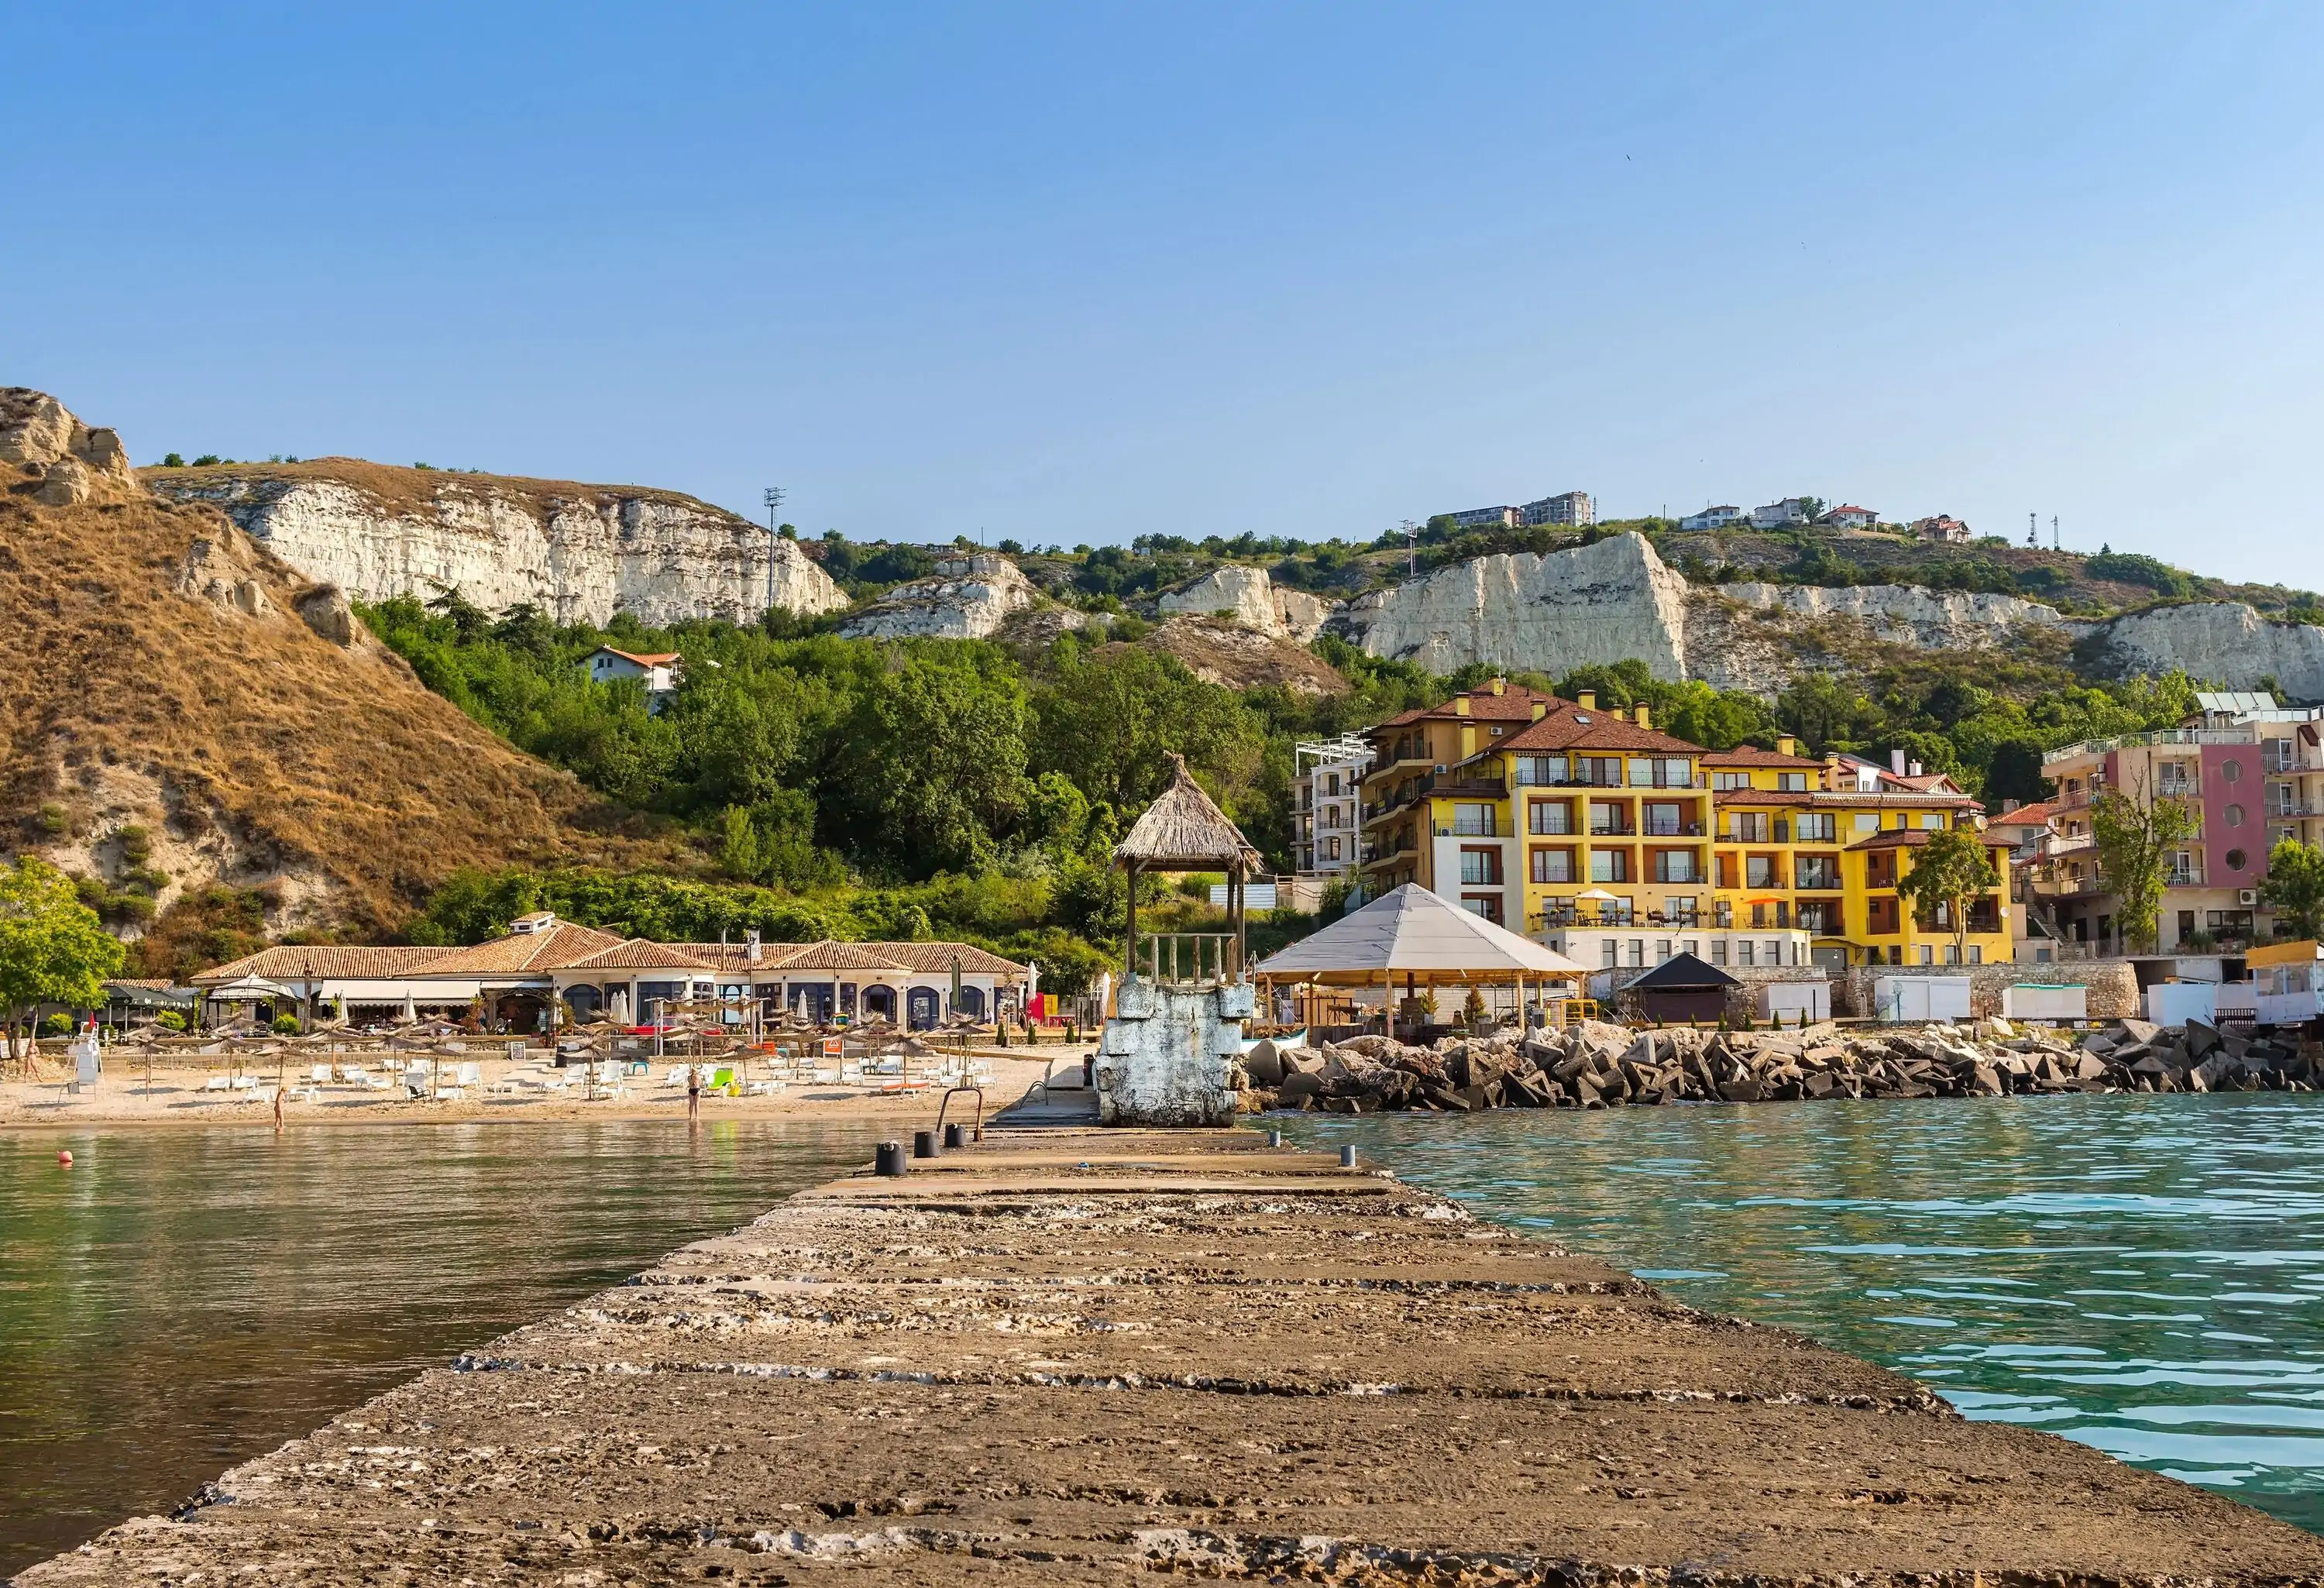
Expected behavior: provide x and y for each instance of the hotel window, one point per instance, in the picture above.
(1638, 953)
(1725, 781)
(1552, 866)
(1928, 954)
(1488, 907)
(1819, 872)
(1331, 783)
(1661, 949)
(1610, 865)
(1690, 945)
(1334, 844)
(1758, 871)
(1604, 770)
(1666, 820)
(1976, 955)
(1775, 951)
(1676, 866)
(1605, 817)
(1818, 827)
(1472, 821)
(1868, 821)
(1551, 817)
(1744, 950)
(1481, 868)
(2233, 814)
(2232, 771)
(1680, 909)
(1793, 783)
(1541, 770)
(1718, 951)
(1747, 827)
(1932, 822)
(1609, 953)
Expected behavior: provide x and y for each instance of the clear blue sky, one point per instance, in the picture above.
(1082, 272)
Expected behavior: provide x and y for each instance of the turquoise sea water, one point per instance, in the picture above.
(181, 1300)
(2143, 1274)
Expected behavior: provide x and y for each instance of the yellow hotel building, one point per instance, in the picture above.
(1619, 845)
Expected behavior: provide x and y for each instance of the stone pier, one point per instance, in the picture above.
(1081, 1357)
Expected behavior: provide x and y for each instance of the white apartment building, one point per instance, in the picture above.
(1327, 823)
(1481, 518)
(1571, 507)
(1713, 518)
(1776, 515)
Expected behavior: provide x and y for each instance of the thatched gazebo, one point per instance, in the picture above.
(1183, 830)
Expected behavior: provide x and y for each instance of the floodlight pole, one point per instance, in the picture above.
(773, 496)
(1411, 550)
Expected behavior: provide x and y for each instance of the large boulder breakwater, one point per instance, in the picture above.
(1597, 1066)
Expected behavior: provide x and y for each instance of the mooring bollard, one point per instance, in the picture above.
(956, 1136)
(924, 1144)
(1275, 1138)
(891, 1160)
(1346, 1158)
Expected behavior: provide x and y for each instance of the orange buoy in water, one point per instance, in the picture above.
(65, 1158)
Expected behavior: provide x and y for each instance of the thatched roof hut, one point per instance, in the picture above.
(1183, 830)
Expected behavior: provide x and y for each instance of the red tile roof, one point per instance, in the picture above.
(306, 962)
(650, 658)
(638, 954)
(1569, 727)
(1748, 755)
(1515, 704)
(560, 947)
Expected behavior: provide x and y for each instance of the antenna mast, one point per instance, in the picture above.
(1411, 550)
(2053, 532)
(773, 498)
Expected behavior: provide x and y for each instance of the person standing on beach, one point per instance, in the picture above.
(692, 1092)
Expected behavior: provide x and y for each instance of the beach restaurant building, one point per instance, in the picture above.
(596, 974)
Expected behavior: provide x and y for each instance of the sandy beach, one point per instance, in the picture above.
(181, 1096)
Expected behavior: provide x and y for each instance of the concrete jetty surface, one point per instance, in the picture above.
(1073, 1357)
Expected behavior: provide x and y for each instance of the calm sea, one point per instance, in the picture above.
(2143, 1274)
(182, 1300)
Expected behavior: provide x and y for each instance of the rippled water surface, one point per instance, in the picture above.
(2141, 1274)
(181, 1300)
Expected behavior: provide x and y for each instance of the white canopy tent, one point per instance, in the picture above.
(1423, 937)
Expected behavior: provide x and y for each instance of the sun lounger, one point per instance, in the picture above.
(320, 1075)
(469, 1075)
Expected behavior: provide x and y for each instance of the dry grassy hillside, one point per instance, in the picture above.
(167, 675)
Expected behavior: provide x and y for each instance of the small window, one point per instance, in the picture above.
(2233, 814)
(1868, 821)
(1932, 822)
(1718, 951)
(2237, 858)
(2232, 771)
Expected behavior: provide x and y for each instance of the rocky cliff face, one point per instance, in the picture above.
(60, 461)
(1551, 611)
(1250, 597)
(968, 599)
(579, 553)
(1934, 618)
(2225, 643)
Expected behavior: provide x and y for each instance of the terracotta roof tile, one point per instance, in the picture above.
(319, 961)
(831, 954)
(527, 953)
(638, 954)
(1752, 755)
(1569, 727)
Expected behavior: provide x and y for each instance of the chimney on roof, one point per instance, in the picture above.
(1499, 686)
(1786, 745)
(1539, 711)
(1916, 769)
(1587, 699)
(1897, 762)
(751, 946)
(1460, 705)
(1639, 714)
(2008, 806)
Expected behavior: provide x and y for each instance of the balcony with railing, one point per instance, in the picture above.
(2161, 737)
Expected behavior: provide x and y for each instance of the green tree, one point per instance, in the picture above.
(2134, 832)
(1949, 873)
(2295, 889)
(934, 766)
(53, 949)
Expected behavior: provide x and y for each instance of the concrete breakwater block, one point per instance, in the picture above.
(1084, 1357)
(1595, 1066)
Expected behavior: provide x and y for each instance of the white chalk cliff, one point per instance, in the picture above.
(2222, 642)
(1250, 596)
(968, 598)
(579, 553)
(1552, 612)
